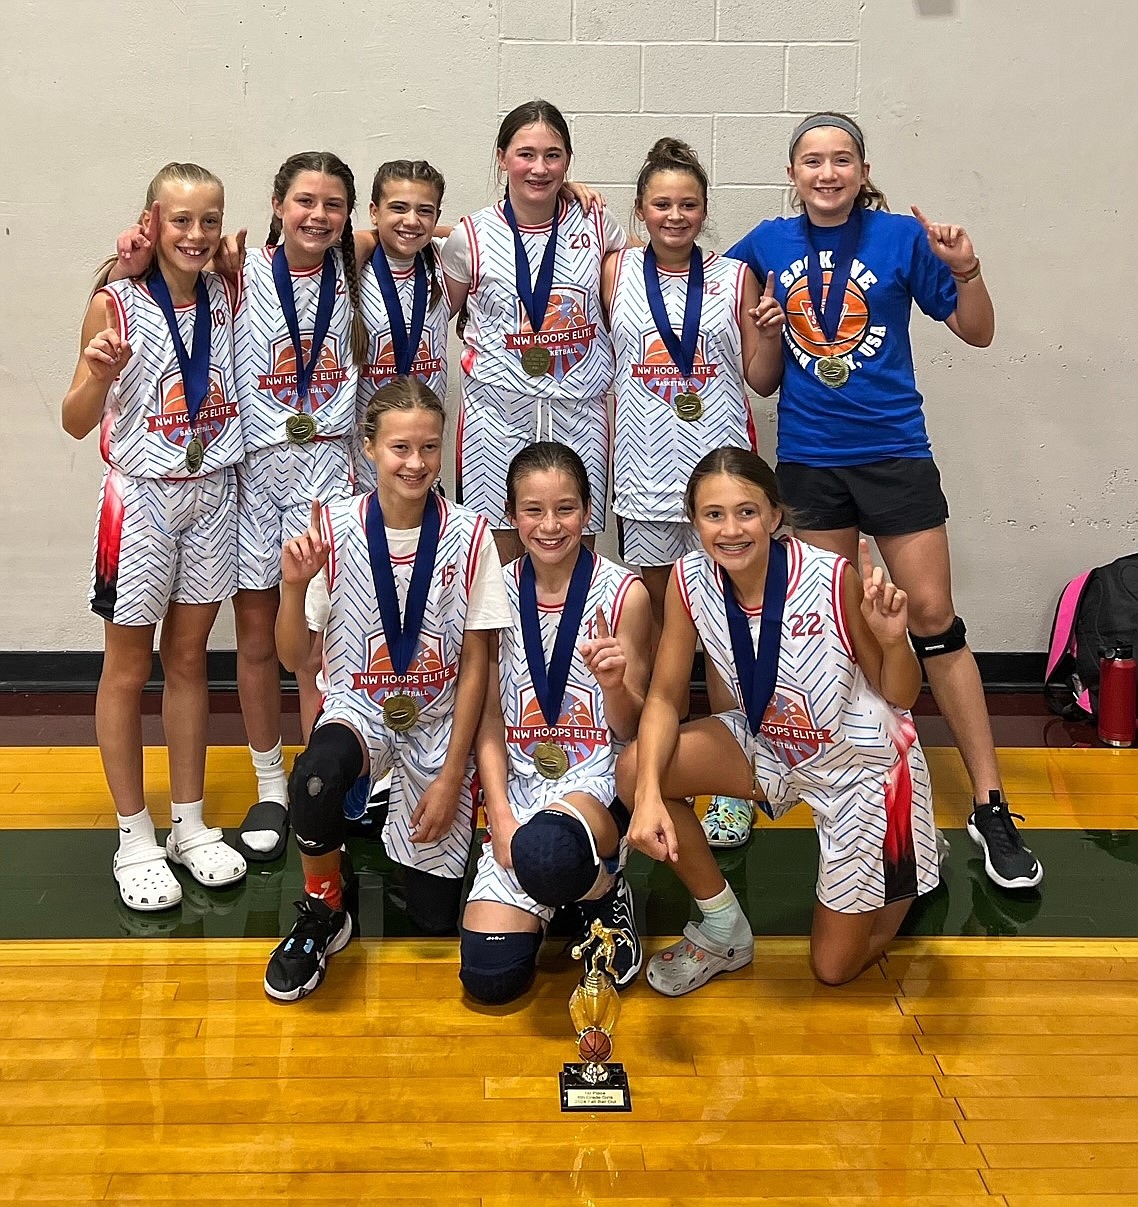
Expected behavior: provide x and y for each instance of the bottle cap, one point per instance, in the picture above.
(1114, 653)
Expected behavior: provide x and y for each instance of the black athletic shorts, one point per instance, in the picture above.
(885, 498)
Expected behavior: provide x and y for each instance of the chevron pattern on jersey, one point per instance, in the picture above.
(266, 361)
(655, 451)
(655, 542)
(145, 429)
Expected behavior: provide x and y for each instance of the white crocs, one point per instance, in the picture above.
(145, 880)
(210, 861)
(694, 960)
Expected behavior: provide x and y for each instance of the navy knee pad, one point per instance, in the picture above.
(496, 968)
(432, 901)
(555, 859)
(320, 779)
(948, 642)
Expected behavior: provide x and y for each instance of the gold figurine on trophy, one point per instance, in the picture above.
(594, 1006)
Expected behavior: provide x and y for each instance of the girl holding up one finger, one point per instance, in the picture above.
(819, 665)
(853, 452)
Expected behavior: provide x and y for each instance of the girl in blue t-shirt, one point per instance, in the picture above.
(853, 452)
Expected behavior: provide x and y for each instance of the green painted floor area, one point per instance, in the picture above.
(57, 884)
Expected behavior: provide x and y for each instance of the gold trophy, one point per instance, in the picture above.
(595, 1084)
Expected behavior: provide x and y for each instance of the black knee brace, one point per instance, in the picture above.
(432, 901)
(320, 779)
(497, 968)
(948, 642)
(555, 860)
(620, 815)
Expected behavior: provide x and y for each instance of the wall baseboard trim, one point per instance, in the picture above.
(45, 671)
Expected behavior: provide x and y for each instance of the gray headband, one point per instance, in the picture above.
(827, 119)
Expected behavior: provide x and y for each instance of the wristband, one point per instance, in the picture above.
(964, 277)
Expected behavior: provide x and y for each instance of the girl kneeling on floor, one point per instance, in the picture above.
(411, 587)
(820, 718)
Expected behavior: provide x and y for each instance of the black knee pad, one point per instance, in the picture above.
(948, 642)
(621, 817)
(320, 779)
(496, 968)
(432, 901)
(555, 859)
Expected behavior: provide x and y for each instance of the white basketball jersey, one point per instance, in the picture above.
(581, 729)
(655, 450)
(499, 331)
(145, 429)
(266, 361)
(824, 722)
(356, 658)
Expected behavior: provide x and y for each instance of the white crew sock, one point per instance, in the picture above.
(723, 918)
(136, 833)
(269, 768)
(186, 819)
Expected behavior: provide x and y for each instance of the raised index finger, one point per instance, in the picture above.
(153, 223)
(768, 292)
(602, 623)
(112, 316)
(867, 566)
(314, 516)
(920, 217)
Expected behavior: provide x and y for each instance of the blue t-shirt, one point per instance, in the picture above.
(877, 413)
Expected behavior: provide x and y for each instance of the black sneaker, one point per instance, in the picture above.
(1007, 861)
(298, 964)
(614, 910)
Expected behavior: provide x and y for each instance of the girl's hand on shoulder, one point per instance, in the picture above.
(305, 556)
(884, 606)
(604, 656)
(949, 243)
(229, 259)
(107, 352)
(587, 198)
(768, 315)
(652, 831)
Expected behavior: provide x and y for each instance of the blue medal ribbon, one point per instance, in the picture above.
(757, 672)
(402, 632)
(549, 684)
(282, 279)
(404, 341)
(829, 316)
(682, 350)
(534, 299)
(194, 365)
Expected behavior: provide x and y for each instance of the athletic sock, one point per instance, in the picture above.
(136, 833)
(186, 820)
(269, 768)
(328, 888)
(723, 917)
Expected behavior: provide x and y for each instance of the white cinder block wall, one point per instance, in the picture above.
(1013, 118)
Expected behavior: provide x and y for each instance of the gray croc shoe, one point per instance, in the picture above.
(694, 960)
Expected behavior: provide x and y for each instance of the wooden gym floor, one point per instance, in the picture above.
(991, 1059)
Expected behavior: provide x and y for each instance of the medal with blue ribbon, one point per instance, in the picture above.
(535, 298)
(404, 341)
(193, 365)
(757, 671)
(551, 759)
(401, 632)
(689, 405)
(831, 370)
(301, 427)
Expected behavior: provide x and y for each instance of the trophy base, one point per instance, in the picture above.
(579, 1093)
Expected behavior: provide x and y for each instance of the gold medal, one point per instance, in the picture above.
(195, 455)
(689, 406)
(535, 361)
(300, 429)
(550, 760)
(400, 712)
(832, 371)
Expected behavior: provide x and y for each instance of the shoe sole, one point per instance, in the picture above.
(993, 875)
(338, 944)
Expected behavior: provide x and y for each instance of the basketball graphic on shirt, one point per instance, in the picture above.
(425, 679)
(327, 376)
(790, 729)
(173, 423)
(660, 374)
(806, 330)
(566, 333)
(578, 718)
(381, 365)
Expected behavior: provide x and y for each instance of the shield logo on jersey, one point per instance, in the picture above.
(806, 332)
(381, 367)
(659, 373)
(576, 731)
(566, 333)
(327, 377)
(426, 678)
(790, 729)
(173, 422)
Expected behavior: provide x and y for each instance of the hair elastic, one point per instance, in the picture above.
(827, 119)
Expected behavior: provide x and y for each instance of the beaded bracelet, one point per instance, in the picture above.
(970, 275)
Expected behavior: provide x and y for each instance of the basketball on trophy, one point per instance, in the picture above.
(594, 1046)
